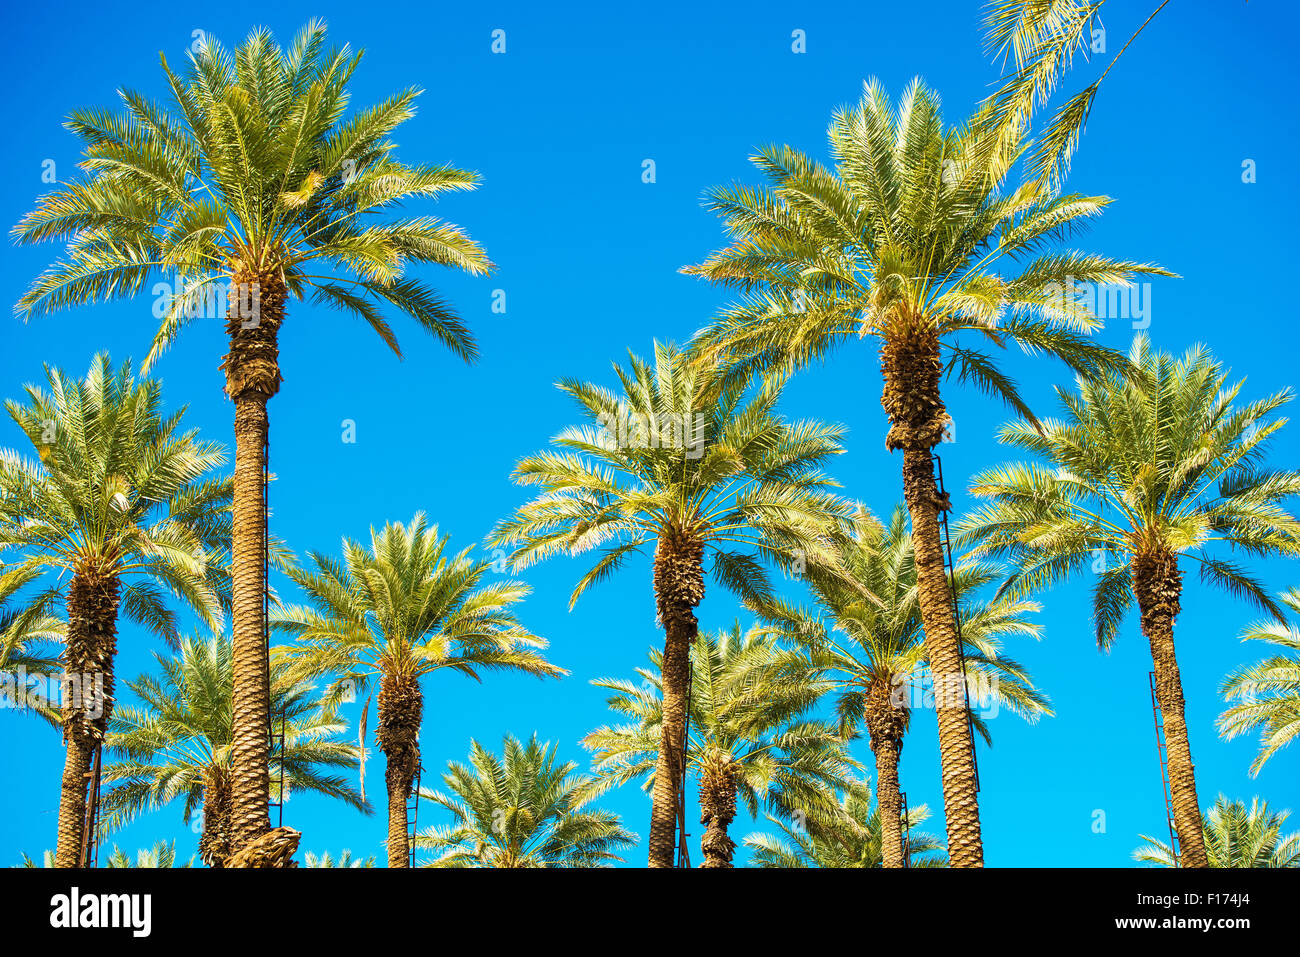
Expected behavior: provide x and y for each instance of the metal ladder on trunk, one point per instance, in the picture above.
(413, 815)
(679, 770)
(276, 742)
(1162, 755)
(90, 824)
(906, 830)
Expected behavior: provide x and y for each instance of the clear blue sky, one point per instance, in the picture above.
(559, 126)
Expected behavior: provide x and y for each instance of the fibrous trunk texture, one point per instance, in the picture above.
(679, 588)
(87, 702)
(214, 842)
(912, 367)
(401, 708)
(257, 304)
(1157, 583)
(717, 811)
(886, 725)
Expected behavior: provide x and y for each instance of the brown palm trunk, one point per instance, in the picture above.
(214, 843)
(912, 367)
(401, 708)
(886, 724)
(87, 700)
(679, 588)
(257, 309)
(1157, 583)
(717, 811)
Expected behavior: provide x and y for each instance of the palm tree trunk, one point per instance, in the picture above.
(886, 724)
(911, 368)
(679, 588)
(717, 811)
(214, 842)
(252, 370)
(87, 700)
(1157, 583)
(401, 709)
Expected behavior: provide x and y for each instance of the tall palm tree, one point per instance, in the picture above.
(865, 637)
(1267, 693)
(750, 735)
(1235, 837)
(853, 836)
(30, 633)
(522, 809)
(398, 611)
(126, 505)
(250, 179)
(914, 238)
(177, 744)
(1150, 465)
(686, 458)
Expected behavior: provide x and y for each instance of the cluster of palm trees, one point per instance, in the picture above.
(937, 242)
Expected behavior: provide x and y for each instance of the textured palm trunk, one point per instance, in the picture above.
(886, 724)
(214, 843)
(1157, 583)
(679, 588)
(912, 368)
(87, 700)
(257, 309)
(717, 811)
(401, 708)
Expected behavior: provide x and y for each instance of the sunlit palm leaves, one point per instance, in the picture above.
(1265, 696)
(1235, 836)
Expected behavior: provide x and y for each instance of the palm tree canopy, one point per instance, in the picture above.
(522, 809)
(161, 750)
(1158, 457)
(118, 490)
(1235, 836)
(251, 166)
(849, 837)
(1267, 693)
(682, 449)
(914, 232)
(30, 633)
(749, 712)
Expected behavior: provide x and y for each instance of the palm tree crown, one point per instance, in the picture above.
(1267, 693)
(1235, 836)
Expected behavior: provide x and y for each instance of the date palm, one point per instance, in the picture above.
(522, 809)
(1267, 693)
(396, 612)
(852, 836)
(915, 239)
(751, 736)
(344, 860)
(687, 459)
(176, 745)
(250, 178)
(1235, 837)
(120, 511)
(865, 638)
(1150, 467)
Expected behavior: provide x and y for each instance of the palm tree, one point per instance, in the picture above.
(687, 459)
(913, 238)
(345, 860)
(1150, 464)
(29, 630)
(161, 855)
(1235, 837)
(853, 836)
(1268, 692)
(177, 745)
(398, 611)
(749, 735)
(866, 638)
(126, 505)
(522, 809)
(251, 179)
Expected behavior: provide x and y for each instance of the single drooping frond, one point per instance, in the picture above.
(751, 722)
(521, 809)
(252, 169)
(1160, 458)
(1235, 836)
(405, 605)
(680, 452)
(1265, 696)
(912, 235)
(175, 744)
(851, 836)
(116, 490)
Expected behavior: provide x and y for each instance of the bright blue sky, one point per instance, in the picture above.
(559, 126)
